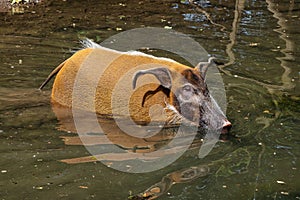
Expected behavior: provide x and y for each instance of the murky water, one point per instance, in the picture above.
(257, 40)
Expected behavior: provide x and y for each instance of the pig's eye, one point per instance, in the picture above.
(188, 91)
(188, 88)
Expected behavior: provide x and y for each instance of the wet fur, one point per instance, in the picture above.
(62, 88)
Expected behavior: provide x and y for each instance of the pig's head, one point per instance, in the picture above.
(189, 95)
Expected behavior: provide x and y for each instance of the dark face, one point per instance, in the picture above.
(189, 90)
(190, 96)
(193, 101)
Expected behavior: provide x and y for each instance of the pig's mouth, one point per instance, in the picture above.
(175, 118)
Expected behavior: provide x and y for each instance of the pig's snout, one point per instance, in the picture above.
(226, 127)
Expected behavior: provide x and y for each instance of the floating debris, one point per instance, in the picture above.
(253, 44)
(167, 27)
(122, 16)
(284, 193)
(38, 187)
(280, 182)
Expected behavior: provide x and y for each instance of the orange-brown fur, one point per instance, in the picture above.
(124, 64)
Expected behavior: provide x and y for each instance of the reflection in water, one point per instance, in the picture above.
(286, 81)
(236, 163)
(167, 181)
(167, 138)
(136, 149)
(239, 7)
(289, 49)
(232, 164)
(199, 8)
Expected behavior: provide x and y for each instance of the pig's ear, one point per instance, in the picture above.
(203, 66)
(161, 73)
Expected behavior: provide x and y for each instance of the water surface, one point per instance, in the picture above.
(257, 40)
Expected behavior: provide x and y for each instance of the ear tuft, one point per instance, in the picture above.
(203, 66)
